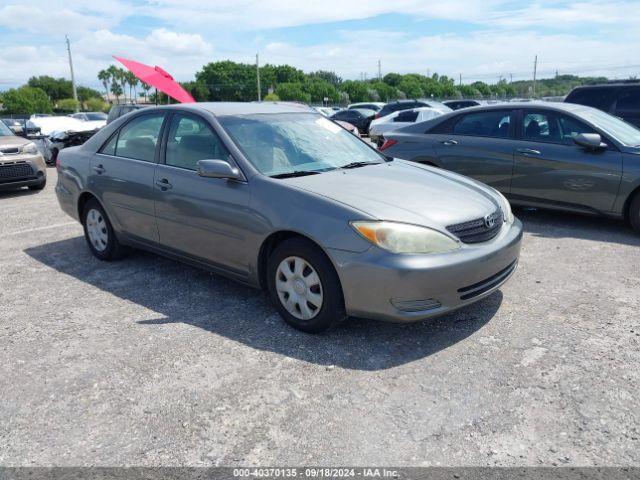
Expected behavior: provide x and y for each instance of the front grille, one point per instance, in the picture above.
(416, 305)
(486, 284)
(480, 229)
(15, 171)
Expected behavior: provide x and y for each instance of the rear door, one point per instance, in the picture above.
(122, 175)
(479, 145)
(550, 168)
(205, 218)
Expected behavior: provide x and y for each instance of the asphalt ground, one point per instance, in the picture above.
(150, 362)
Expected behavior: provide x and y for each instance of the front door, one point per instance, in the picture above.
(205, 218)
(122, 175)
(550, 168)
(479, 145)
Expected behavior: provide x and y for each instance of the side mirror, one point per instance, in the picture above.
(590, 141)
(218, 169)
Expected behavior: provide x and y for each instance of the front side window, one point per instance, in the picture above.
(494, 123)
(293, 142)
(138, 138)
(552, 127)
(191, 140)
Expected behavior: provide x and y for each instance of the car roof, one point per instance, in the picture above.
(245, 108)
(567, 107)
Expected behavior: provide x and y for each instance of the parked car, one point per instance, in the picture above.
(63, 139)
(375, 106)
(21, 164)
(458, 104)
(348, 127)
(619, 99)
(119, 110)
(409, 104)
(279, 197)
(49, 124)
(21, 127)
(381, 126)
(325, 111)
(91, 119)
(358, 117)
(553, 155)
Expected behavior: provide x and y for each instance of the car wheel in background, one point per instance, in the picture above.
(38, 186)
(99, 233)
(634, 212)
(304, 287)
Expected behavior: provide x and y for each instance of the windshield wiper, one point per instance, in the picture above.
(296, 173)
(358, 164)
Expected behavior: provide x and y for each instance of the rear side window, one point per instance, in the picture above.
(628, 100)
(600, 98)
(495, 123)
(137, 139)
(408, 116)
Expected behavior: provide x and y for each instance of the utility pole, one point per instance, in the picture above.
(379, 71)
(535, 69)
(258, 76)
(460, 82)
(511, 78)
(73, 79)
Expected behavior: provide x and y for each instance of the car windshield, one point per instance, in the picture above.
(5, 131)
(287, 143)
(96, 116)
(617, 128)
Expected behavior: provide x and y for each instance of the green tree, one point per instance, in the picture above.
(385, 92)
(68, 105)
(320, 89)
(330, 77)
(392, 79)
(483, 88)
(95, 105)
(229, 80)
(198, 91)
(85, 93)
(411, 86)
(271, 97)
(356, 90)
(292, 91)
(55, 88)
(105, 78)
(26, 100)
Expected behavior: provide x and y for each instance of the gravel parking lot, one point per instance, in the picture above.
(150, 362)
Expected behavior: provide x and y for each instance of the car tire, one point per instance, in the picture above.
(38, 186)
(634, 212)
(304, 287)
(53, 158)
(99, 233)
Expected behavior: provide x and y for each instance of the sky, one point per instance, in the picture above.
(478, 39)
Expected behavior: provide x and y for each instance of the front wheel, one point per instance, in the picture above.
(99, 233)
(634, 212)
(304, 287)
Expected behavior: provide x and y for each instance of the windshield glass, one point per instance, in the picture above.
(5, 131)
(296, 142)
(97, 116)
(617, 128)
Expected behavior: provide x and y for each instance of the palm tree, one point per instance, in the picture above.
(146, 87)
(104, 76)
(132, 80)
(114, 75)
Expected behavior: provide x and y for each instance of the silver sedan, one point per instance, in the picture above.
(278, 197)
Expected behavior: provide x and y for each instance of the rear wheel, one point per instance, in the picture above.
(634, 212)
(304, 287)
(99, 233)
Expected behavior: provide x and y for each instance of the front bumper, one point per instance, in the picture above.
(402, 288)
(22, 171)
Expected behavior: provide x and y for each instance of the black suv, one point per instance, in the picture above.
(119, 110)
(619, 99)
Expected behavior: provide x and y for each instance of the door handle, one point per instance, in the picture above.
(164, 184)
(450, 142)
(527, 152)
(99, 169)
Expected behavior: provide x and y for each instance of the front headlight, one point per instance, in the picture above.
(30, 148)
(405, 238)
(506, 207)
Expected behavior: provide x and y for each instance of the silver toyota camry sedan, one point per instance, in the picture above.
(279, 197)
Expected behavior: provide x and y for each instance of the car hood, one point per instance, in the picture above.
(404, 192)
(12, 141)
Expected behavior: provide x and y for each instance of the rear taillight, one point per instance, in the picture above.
(377, 115)
(387, 144)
